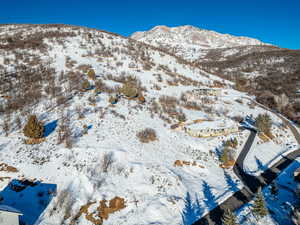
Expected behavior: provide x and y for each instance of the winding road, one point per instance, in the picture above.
(251, 183)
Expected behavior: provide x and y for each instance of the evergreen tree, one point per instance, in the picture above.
(263, 123)
(224, 156)
(259, 208)
(33, 128)
(229, 218)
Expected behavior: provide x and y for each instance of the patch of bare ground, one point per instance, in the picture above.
(7, 168)
(102, 211)
(227, 164)
(181, 163)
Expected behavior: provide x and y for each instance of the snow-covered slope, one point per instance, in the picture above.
(101, 156)
(191, 42)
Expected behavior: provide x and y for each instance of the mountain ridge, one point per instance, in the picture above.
(188, 41)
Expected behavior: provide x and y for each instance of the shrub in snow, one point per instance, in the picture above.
(113, 99)
(65, 132)
(107, 162)
(147, 135)
(33, 128)
(92, 100)
(5, 126)
(86, 84)
(141, 99)
(181, 117)
(129, 90)
(91, 74)
(99, 86)
(80, 112)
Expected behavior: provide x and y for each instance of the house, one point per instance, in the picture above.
(9, 215)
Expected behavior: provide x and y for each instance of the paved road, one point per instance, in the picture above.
(251, 183)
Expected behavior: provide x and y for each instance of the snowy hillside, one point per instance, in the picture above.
(191, 42)
(266, 71)
(95, 150)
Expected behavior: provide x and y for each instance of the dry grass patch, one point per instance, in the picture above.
(147, 135)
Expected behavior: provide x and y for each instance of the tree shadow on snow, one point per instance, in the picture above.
(31, 198)
(192, 211)
(260, 165)
(49, 128)
(210, 199)
(230, 182)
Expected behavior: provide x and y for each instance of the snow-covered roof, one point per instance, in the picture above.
(10, 209)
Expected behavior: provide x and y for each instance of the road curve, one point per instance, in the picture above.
(251, 183)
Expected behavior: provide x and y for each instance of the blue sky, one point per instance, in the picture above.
(272, 21)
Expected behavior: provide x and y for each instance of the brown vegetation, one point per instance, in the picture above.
(181, 163)
(102, 211)
(6, 168)
(147, 135)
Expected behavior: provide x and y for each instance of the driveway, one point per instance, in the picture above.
(251, 183)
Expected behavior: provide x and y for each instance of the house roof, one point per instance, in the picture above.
(6, 208)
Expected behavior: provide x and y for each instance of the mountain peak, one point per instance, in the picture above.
(191, 38)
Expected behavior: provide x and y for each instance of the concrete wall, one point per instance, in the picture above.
(211, 132)
(8, 218)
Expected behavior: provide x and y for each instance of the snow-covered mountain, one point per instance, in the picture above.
(191, 42)
(129, 161)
